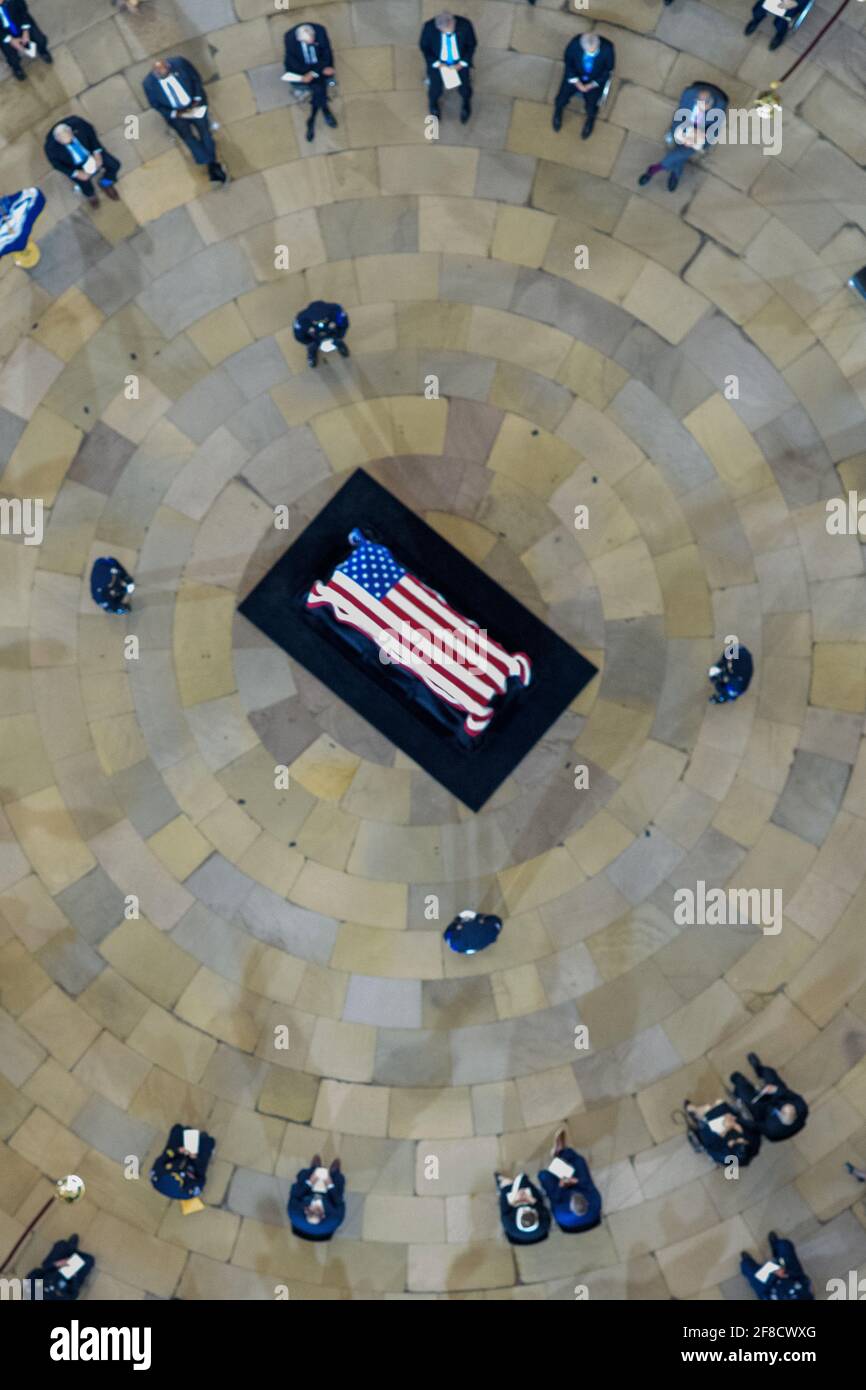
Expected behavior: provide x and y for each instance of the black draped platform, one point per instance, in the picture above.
(396, 705)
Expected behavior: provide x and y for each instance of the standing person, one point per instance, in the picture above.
(472, 931)
(19, 32)
(781, 23)
(448, 43)
(73, 147)
(525, 1218)
(573, 1196)
(780, 1278)
(317, 1201)
(174, 88)
(589, 62)
(180, 1171)
(63, 1271)
(700, 104)
(110, 584)
(321, 325)
(778, 1112)
(731, 675)
(310, 61)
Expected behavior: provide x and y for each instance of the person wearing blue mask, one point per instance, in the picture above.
(472, 931)
(317, 1201)
(19, 33)
(448, 42)
(573, 1196)
(779, 1279)
(74, 148)
(589, 62)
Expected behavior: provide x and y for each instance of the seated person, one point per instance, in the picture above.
(317, 1202)
(310, 62)
(722, 1134)
(573, 1196)
(525, 1218)
(731, 676)
(472, 931)
(63, 1271)
(448, 41)
(73, 147)
(777, 1111)
(700, 105)
(110, 584)
(782, 24)
(780, 1278)
(589, 62)
(181, 1169)
(324, 326)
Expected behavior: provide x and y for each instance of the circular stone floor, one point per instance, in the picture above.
(153, 774)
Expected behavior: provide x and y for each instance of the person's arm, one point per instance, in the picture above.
(428, 45)
(470, 45)
(326, 51)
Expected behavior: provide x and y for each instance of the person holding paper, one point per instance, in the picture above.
(778, 1112)
(310, 61)
(74, 148)
(784, 13)
(701, 110)
(181, 1169)
(448, 43)
(781, 1278)
(111, 585)
(573, 1196)
(174, 88)
(589, 62)
(21, 37)
(324, 326)
(472, 931)
(722, 1133)
(317, 1201)
(63, 1271)
(525, 1218)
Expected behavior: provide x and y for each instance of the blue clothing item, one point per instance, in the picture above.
(587, 61)
(56, 1288)
(109, 589)
(178, 1175)
(508, 1215)
(560, 1197)
(78, 152)
(313, 324)
(9, 24)
(333, 1200)
(743, 1146)
(794, 1286)
(466, 936)
(735, 676)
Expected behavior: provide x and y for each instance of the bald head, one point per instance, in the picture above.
(445, 22)
(63, 133)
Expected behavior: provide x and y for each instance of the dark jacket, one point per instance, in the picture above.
(19, 15)
(333, 1201)
(466, 936)
(724, 1146)
(58, 155)
(294, 52)
(602, 66)
(189, 79)
(431, 41)
(56, 1288)
(178, 1175)
(560, 1197)
(308, 328)
(508, 1215)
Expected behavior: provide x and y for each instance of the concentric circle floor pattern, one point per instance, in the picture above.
(150, 771)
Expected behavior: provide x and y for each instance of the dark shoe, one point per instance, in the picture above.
(777, 41)
(217, 173)
(330, 118)
(342, 349)
(335, 1167)
(47, 58)
(587, 127)
(435, 111)
(316, 1161)
(73, 1240)
(754, 1061)
(773, 1238)
(751, 26)
(557, 119)
(465, 114)
(644, 179)
(93, 202)
(312, 359)
(311, 129)
(19, 75)
(112, 193)
(673, 180)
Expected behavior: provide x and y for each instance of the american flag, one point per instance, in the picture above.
(415, 627)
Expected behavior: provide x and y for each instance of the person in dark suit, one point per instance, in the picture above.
(324, 326)
(721, 1132)
(174, 88)
(317, 1201)
(448, 41)
(701, 105)
(589, 62)
(74, 148)
(18, 30)
(180, 1172)
(309, 60)
(525, 1218)
(110, 585)
(57, 1286)
(782, 26)
(781, 1278)
(574, 1198)
(472, 931)
(778, 1112)
(731, 675)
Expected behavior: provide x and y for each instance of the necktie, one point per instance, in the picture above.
(452, 48)
(175, 92)
(9, 24)
(78, 152)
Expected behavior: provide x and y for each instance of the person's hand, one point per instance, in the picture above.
(97, 155)
(568, 1182)
(329, 72)
(308, 77)
(461, 64)
(79, 174)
